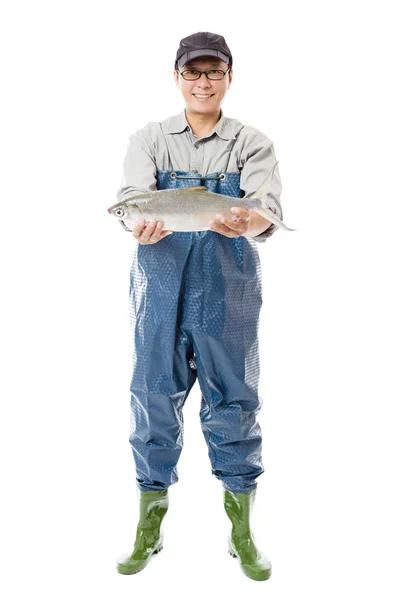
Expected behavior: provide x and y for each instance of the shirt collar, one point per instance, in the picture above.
(222, 128)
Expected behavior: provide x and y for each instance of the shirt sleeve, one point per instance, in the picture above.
(139, 167)
(258, 159)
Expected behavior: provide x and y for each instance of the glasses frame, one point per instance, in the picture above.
(204, 73)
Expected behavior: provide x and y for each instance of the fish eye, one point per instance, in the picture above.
(119, 212)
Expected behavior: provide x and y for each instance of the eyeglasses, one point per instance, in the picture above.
(192, 75)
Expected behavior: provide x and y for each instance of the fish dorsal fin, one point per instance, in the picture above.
(195, 188)
(184, 190)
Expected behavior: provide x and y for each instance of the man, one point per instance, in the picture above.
(195, 299)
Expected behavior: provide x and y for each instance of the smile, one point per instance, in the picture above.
(203, 96)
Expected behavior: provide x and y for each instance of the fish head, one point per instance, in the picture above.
(117, 211)
(125, 210)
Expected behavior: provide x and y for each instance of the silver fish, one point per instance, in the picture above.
(191, 208)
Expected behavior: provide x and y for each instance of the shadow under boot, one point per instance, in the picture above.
(149, 535)
(241, 544)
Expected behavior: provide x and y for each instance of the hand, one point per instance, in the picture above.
(232, 227)
(149, 233)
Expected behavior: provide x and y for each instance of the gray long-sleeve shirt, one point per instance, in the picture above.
(171, 145)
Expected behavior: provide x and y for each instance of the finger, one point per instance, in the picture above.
(155, 231)
(165, 233)
(221, 220)
(239, 225)
(138, 228)
(229, 222)
(241, 212)
(158, 229)
(219, 224)
(223, 229)
(159, 232)
(148, 232)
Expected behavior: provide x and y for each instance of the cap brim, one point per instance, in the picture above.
(185, 58)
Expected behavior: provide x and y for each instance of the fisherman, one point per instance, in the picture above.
(195, 300)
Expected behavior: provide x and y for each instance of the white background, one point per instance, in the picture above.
(319, 79)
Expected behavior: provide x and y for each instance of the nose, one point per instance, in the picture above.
(203, 81)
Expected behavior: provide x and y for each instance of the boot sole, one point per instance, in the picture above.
(127, 572)
(256, 577)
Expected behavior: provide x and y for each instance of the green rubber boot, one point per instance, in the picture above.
(149, 535)
(241, 544)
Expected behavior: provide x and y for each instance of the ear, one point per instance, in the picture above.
(230, 77)
(176, 77)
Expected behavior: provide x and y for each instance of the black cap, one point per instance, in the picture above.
(202, 43)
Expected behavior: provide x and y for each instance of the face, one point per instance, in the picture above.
(214, 90)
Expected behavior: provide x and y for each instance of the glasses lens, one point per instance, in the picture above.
(190, 75)
(215, 74)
